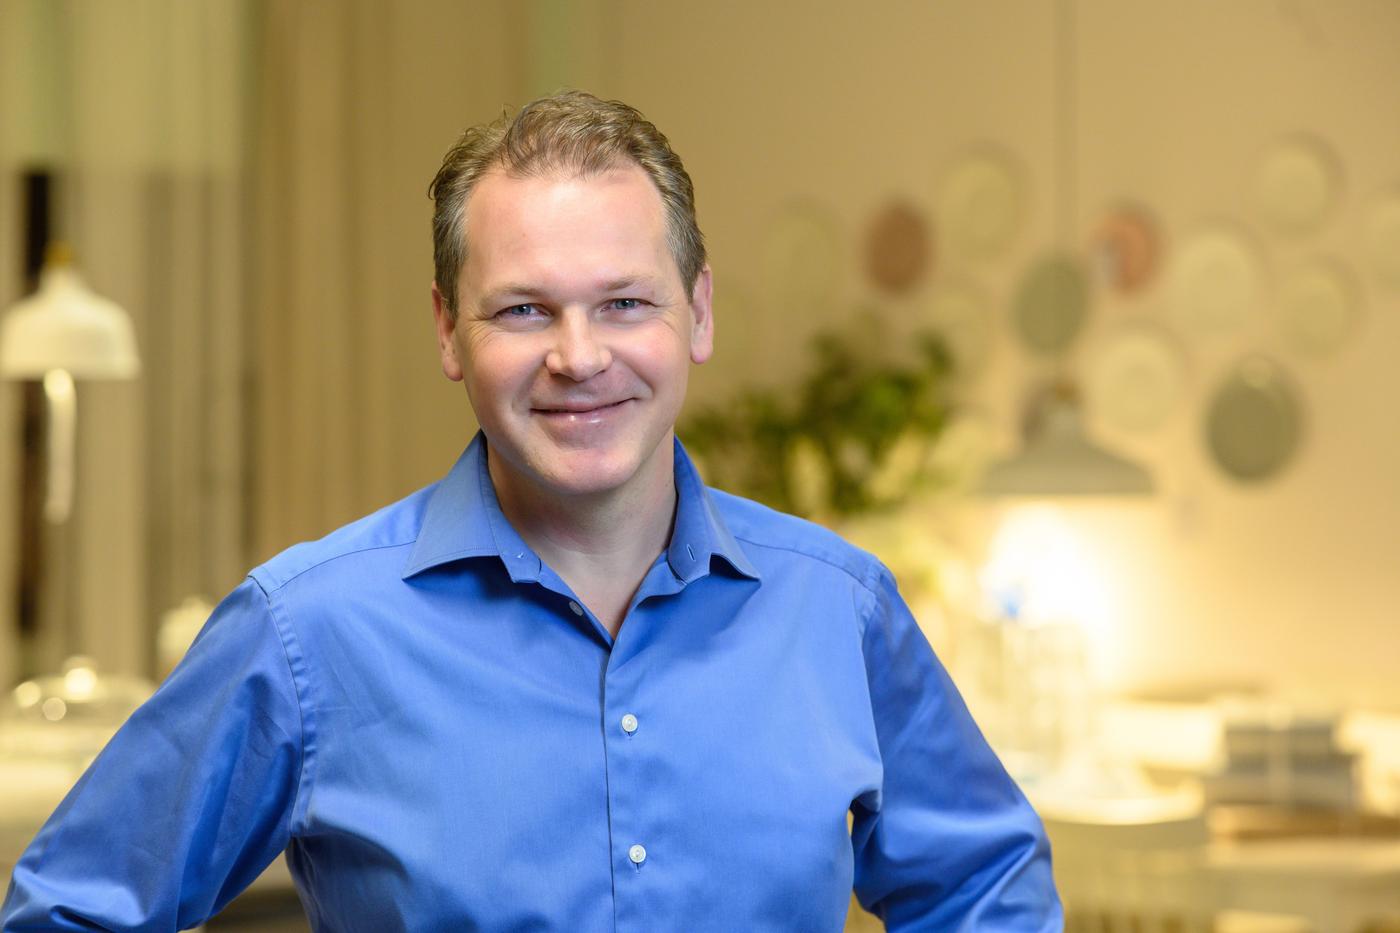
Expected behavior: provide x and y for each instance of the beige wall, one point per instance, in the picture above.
(358, 103)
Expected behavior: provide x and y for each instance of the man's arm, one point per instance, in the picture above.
(188, 803)
(949, 842)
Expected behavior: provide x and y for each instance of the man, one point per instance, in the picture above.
(567, 687)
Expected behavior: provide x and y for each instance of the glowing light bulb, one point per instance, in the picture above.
(1041, 570)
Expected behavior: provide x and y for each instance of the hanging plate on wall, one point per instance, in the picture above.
(1317, 308)
(1051, 305)
(1296, 185)
(1215, 282)
(1382, 239)
(1253, 421)
(898, 248)
(1126, 248)
(981, 204)
(1135, 378)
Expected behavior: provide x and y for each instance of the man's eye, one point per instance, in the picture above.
(519, 311)
(625, 304)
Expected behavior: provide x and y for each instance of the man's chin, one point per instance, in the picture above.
(563, 472)
(588, 473)
(551, 467)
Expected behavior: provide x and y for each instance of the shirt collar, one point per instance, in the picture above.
(700, 534)
(463, 519)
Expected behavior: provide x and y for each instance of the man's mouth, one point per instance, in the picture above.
(578, 408)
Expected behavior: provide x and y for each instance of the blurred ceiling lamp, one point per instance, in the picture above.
(1059, 459)
(65, 331)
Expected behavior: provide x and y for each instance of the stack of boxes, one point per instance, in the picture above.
(1284, 758)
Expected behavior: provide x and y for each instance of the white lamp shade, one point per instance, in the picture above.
(65, 325)
(1059, 460)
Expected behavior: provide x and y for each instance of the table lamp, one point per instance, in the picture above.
(62, 332)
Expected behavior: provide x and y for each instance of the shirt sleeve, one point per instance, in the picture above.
(188, 803)
(948, 842)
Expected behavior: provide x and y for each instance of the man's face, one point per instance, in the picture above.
(574, 333)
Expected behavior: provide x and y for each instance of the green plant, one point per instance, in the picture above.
(852, 437)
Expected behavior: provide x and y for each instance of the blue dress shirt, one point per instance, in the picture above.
(421, 713)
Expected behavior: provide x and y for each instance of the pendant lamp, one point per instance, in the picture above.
(1058, 458)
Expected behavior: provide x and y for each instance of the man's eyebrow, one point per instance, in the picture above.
(628, 282)
(508, 290)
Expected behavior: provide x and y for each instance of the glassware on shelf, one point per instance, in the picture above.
(51, 728)
(69, 715)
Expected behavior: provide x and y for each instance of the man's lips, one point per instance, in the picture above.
(576, 408)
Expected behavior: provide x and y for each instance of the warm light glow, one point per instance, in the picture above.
(27, 694)
(58, 382)
(1041, 570)
(80, 682)
(54, 709)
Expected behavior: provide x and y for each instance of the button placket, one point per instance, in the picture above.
(629, 811)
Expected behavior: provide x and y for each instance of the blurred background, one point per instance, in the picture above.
(1082, 314)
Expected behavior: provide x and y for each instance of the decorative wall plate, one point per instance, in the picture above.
(960, 311)
(1253, 421)
(1296, 185)
(981, 204)
(802, 257)
(1051, 305)
(1126, 248)
(1382, 241)
(1215, 282)
(898, 248)
(1134, 378)
(1317, 307)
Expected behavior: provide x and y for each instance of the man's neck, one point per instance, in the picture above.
(602, 545)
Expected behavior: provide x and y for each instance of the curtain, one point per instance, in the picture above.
(358, 102)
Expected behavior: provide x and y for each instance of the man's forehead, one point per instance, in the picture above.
(567, 236)
(504, 183)
(511, 214)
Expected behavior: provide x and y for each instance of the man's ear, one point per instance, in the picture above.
(702, 331)
(445, 321)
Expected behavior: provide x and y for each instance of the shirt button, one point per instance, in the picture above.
(637, 854)
(629, 724)
(578, 610)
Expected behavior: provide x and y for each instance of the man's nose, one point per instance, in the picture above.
(577, 352)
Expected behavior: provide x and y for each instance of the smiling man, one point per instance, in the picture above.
(574, 331)
(568, 687)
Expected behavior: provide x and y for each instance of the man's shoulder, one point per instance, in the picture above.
(381, 538)
(765, 532)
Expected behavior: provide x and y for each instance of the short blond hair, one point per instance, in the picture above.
(571, 131)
